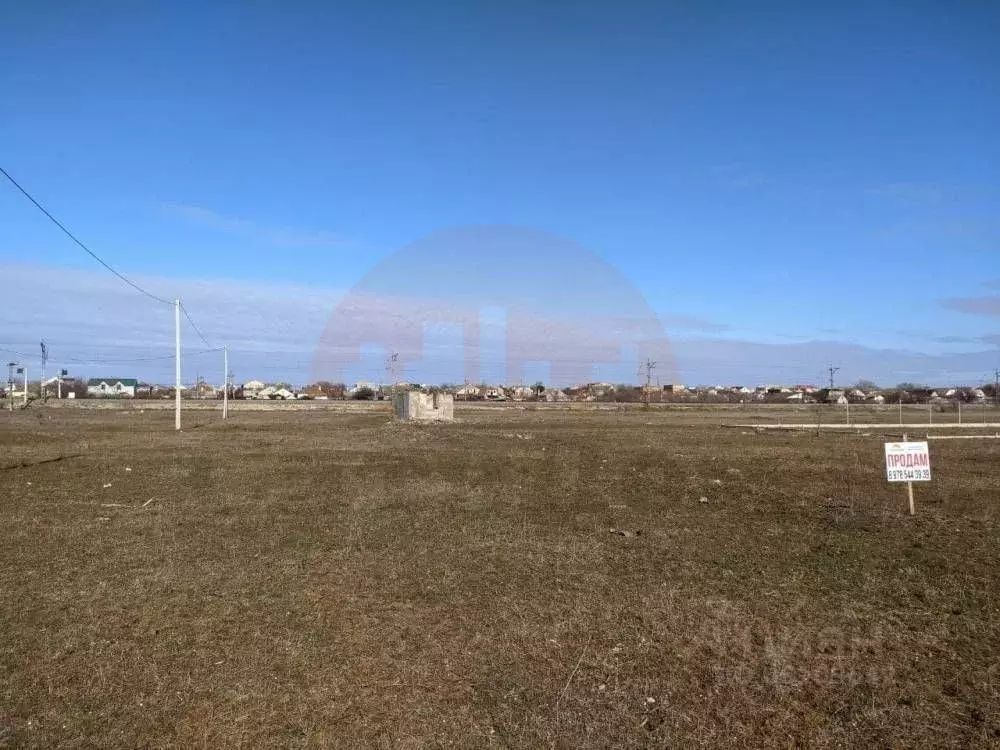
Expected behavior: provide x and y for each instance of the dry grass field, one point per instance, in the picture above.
(334, 579)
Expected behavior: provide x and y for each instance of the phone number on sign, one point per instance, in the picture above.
(911, 475)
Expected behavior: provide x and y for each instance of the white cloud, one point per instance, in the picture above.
(275, 330)
(692, 323)
(975, 305)
(279, 236)
(89, 318)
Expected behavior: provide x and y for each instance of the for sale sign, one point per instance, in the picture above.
(907, 462)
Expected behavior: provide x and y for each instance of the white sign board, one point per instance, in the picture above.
(907, 462)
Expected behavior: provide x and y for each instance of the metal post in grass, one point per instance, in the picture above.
(909, 489)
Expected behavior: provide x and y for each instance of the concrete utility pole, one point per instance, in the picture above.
(41, 382)
(832, 370)
(25, 371)
(10, 384)
(177, 364)
(996, 387)
(225, 384)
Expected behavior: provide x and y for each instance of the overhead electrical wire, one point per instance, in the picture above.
(86, 249)
(102, 361)
(100, 260)
(195, 327)
(20, 354)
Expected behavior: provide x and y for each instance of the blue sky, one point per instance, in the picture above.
(817, 179)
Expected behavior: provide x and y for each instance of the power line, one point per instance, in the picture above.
(112, 361)
(22, 355)
(86, 249)
(160, 358)
(186, 315)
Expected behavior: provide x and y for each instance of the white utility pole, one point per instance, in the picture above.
(225, 382)
(10, 387)
(177, 364)
(25, 368)
(41, 382)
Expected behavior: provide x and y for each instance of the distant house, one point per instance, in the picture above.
(112, 387)
(831, 396)
(521, 392)
(801, 398)
(57, 385)
(203, 390)
(324, 390)
(468, 392)
(253, 388)
(363, 385)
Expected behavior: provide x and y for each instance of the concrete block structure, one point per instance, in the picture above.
(427, 407)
